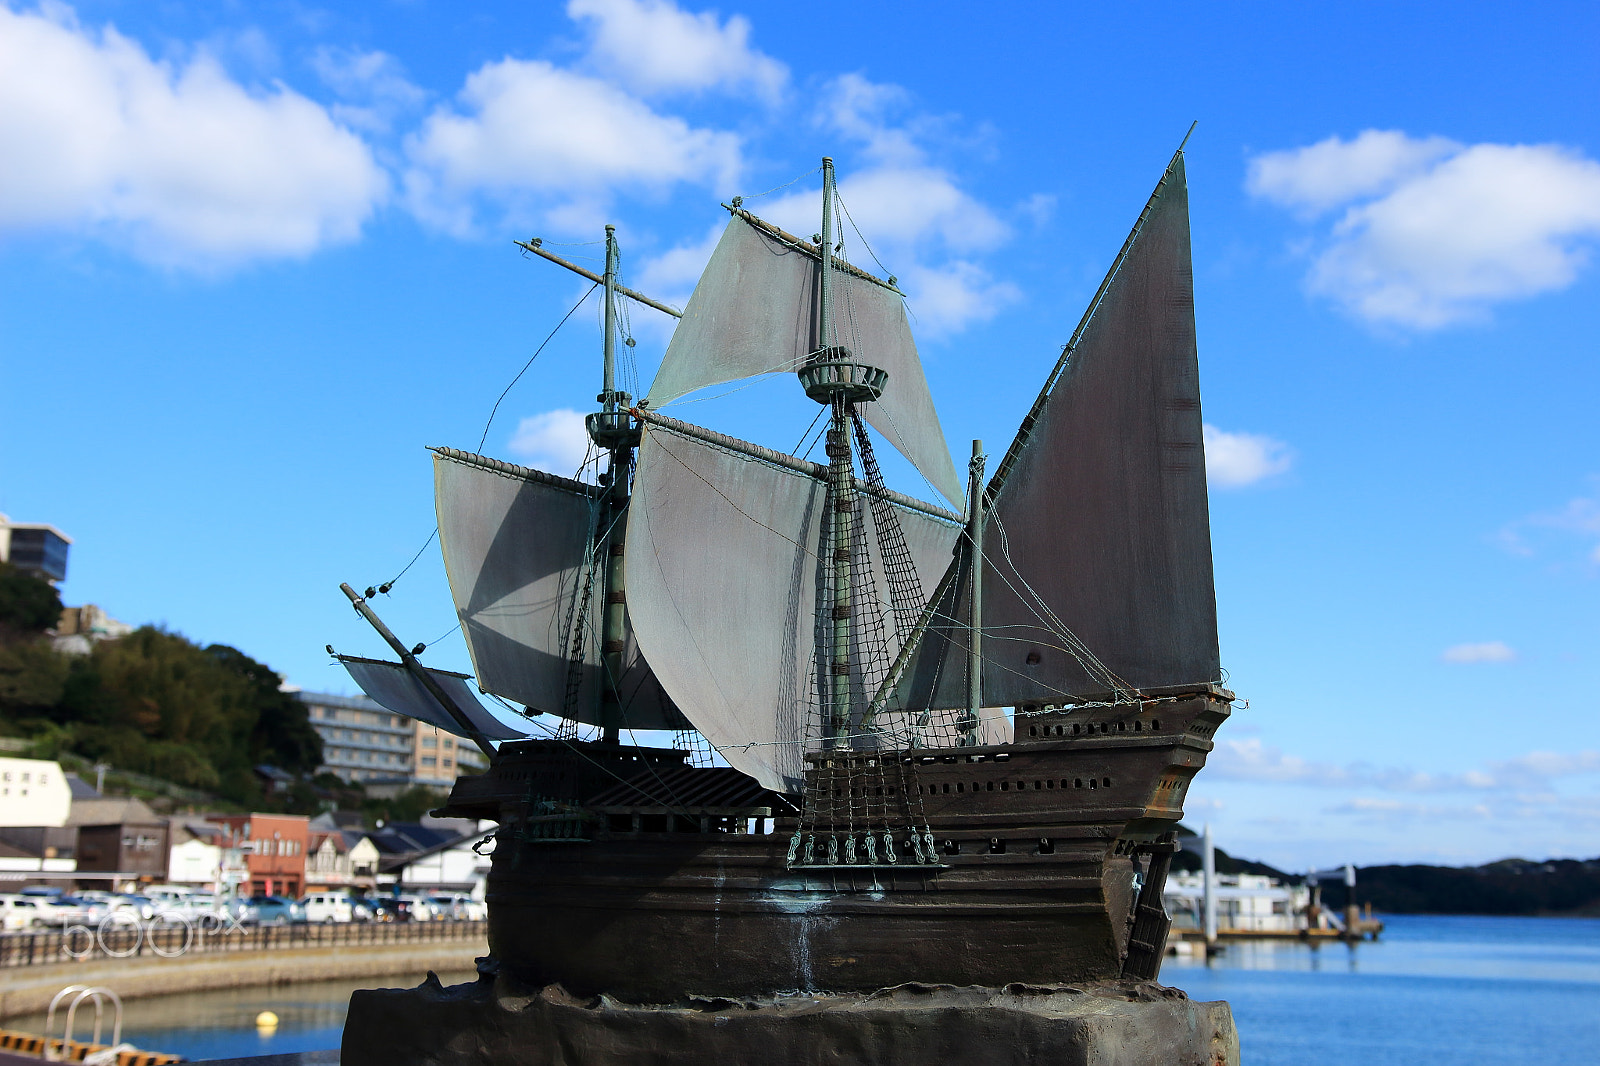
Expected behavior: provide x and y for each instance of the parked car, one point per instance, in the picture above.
(20, 912)
(362, 910)
(328, 907)
(272, 910)
(459, 907)
(143, 906)
(423, 909)
(71, 910)
(166, 895)
(389, 909)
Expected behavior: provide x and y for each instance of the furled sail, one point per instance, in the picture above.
(393, 686)
(722, 564)
(754, 312)
(518, 550)
(1098, 547)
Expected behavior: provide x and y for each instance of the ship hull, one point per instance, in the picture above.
(1037, 848)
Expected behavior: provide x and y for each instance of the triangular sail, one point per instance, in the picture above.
(722, 563)
(754, 312)
(519, 550)
(1098, 576)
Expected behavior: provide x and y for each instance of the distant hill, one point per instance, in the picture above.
(1509, 887)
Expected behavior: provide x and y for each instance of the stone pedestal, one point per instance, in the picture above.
(493, 1021)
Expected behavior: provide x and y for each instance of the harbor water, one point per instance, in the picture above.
(222, 1024)
(1433, 990)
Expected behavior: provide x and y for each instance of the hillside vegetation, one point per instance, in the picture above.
(152, 702)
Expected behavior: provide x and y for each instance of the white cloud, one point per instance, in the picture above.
(1335, 171)
(654, 45)
(1252, 760)
(1234, 460)
(178, 162)
(954, 294)
(373, 84)
(1435, 233)
(672, 274)
(1579, 517)
(555, 441)
(528, 134)
(1538, 768)
(1375, 809)
(1492, 651)
(863, 110)
(922, 226)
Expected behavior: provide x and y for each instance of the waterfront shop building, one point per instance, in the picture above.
(362, 742)
(37, 845)
(196, 859)
(23, 866)
(274, 850)
(434, 856)
(340, 859)
(121, 840)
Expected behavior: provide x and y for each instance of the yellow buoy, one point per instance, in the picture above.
(266, 1020)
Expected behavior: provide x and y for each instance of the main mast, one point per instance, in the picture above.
(832, 377)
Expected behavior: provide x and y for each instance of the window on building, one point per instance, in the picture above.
(429, 760)
(449, 743)
(430, 742)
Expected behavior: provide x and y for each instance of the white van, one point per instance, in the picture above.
(328, 907)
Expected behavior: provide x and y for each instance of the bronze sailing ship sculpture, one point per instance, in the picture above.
(849, 651)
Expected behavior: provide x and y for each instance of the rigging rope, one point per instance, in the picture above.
(542, 344)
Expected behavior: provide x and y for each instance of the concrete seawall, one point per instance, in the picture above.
(28, 989)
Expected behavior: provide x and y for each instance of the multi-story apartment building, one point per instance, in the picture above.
(442, 757)
(35, 547)
(363, 742)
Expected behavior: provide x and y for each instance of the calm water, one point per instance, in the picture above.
(1434, 990)
(218, 1025)
(1457, 991)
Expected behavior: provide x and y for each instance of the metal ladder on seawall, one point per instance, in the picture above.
(58, 1051)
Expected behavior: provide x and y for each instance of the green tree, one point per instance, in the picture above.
(282, 734)
(28, 604)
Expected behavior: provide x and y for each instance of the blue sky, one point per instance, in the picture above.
(254, 257)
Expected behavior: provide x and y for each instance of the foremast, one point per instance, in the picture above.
(613, 430)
